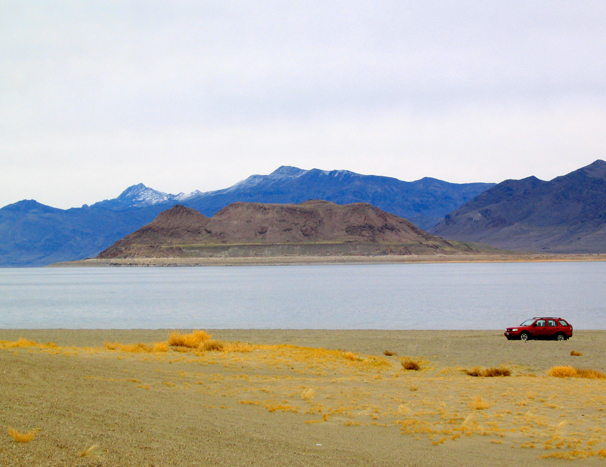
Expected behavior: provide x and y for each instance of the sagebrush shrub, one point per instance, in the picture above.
(191, 340)
(569, 372)
(562, 371)
(410, 364)
(210, 345)
(488, 372)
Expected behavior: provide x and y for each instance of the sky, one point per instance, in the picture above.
(97, 96)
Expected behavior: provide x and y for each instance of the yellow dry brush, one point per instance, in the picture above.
(137, 348)
(192, 340)
(571, 372)
(488, 372)
(197, 342)
(22, 342)
(23, 437)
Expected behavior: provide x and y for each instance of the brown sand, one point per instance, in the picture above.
(280, 405)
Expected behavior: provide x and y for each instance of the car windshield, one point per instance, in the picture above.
(528, 322)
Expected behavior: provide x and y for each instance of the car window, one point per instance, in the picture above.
(541, 322)
(563, 323)
(528, 322)
(551, 322)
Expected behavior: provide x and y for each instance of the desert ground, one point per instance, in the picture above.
(298, 398)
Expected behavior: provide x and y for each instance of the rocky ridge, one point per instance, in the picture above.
(315, 228)
(564, 215)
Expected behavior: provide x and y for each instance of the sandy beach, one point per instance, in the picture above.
(284, 398)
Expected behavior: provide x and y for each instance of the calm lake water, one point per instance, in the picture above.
(403, 296)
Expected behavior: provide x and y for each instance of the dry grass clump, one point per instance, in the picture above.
(576, 454)
(197, 342)
(22, 437)
(351, 356)
(488, 372)
(160, 347)
(562, 371)
(574, 353)
(389, 353)
(192, 340)
(210, 346)
(478, 403)
(112, 345)
(22, 342)
(201, 341)
(132, 348)
(590, 374)
(570, 372)
(410, 364)
(137, 348)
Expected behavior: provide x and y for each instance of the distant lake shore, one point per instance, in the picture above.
(285, 260)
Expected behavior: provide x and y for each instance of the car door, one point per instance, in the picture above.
(551, 328)
(539, 329)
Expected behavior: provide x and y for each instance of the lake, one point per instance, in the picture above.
(399, 296)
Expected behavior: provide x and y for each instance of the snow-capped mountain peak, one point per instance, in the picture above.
(284, 172)
(184, 196)
(287, 171)
(140, 195)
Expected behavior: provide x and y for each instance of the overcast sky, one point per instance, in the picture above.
(96, 96)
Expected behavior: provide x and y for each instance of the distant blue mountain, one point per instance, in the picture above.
(32, 234)
(424, 202)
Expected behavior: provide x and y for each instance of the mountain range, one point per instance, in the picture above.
(564, 215)
(32, 234)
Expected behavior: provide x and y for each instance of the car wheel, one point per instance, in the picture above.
(524, 336)
(561, 337)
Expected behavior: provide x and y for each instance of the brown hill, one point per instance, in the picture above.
(313, 228)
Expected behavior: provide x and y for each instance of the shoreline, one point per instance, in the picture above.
(322, 260)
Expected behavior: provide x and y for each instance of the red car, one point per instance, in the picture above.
(541, 328)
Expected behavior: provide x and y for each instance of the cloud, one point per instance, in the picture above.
(183, 95)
